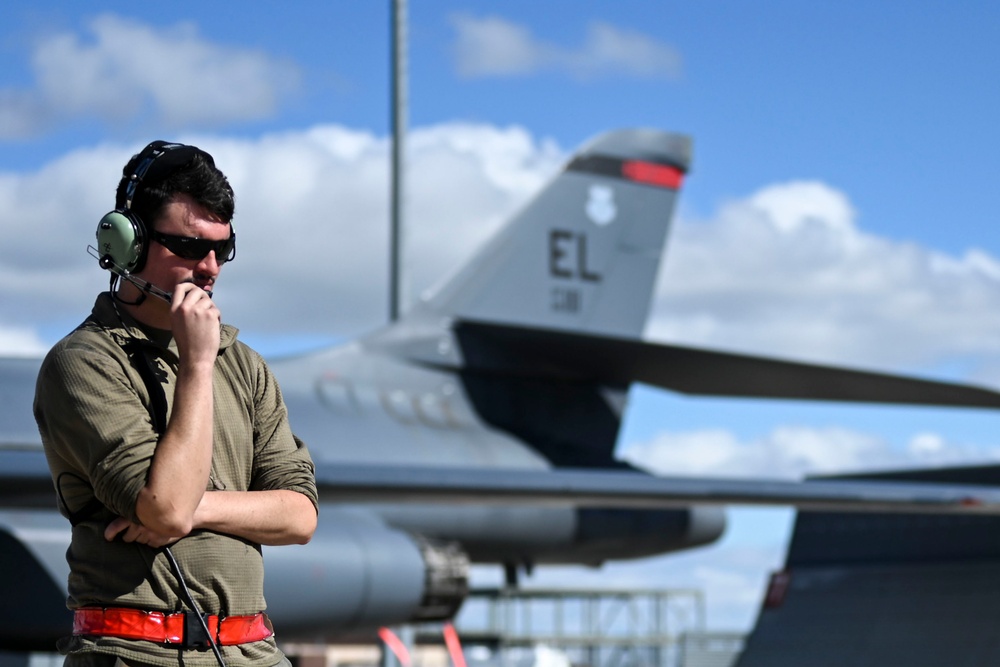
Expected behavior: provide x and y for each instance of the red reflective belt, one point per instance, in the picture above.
(155, 626)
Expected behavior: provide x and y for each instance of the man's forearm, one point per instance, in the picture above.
(265, 517)
(182, 462)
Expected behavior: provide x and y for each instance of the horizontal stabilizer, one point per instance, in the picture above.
(616, 361)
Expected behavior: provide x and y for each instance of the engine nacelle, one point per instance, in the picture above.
(358, 574)
(560, 535)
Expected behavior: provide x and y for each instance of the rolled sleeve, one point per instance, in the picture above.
(91, 416)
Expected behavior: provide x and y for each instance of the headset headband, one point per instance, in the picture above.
(157, 161)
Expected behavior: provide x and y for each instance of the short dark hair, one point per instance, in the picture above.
(197, 177)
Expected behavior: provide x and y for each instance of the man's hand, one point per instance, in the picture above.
(134, 532)
(196, 324)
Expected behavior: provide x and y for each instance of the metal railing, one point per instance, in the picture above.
(510, 627)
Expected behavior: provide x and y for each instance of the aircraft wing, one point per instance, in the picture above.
(619, 361)
(25, 482)
(363, 484)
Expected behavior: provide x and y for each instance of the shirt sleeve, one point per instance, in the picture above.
(281, 460)
(91, 415)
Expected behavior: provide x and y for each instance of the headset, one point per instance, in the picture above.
(122, 236)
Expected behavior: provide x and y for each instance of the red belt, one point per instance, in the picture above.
(155, 626)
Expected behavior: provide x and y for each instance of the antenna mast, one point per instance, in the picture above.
(399, 106)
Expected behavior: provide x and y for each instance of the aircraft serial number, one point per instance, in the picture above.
(566, 300)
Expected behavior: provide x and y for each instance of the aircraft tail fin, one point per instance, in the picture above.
(584, 254)
(880, 589)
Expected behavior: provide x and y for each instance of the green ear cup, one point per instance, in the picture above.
(120, 240)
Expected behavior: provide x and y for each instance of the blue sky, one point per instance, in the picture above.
(840, 208)
(891, 103)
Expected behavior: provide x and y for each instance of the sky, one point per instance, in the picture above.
(840, 206)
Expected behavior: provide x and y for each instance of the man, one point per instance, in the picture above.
(167, 438)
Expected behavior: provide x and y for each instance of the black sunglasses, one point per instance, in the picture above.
(192, 247)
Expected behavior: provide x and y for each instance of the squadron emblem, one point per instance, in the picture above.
(601, 207)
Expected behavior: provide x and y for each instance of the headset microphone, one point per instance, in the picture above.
(146, 287)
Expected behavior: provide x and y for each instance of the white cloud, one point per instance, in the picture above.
(21, 342)
(494, 46)
(793, 452)
(792, 206)
(120, 70)
(787, 272)
(312, 220)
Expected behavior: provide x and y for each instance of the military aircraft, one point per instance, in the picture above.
(481, 426)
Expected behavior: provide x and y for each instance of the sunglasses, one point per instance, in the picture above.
(192, 247)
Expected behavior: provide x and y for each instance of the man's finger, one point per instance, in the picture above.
(115, 527)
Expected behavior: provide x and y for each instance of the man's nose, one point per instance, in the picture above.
(209, 264)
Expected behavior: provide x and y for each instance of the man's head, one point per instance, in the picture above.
(162, 171)
(155, 177)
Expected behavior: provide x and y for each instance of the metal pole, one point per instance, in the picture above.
(399, 106)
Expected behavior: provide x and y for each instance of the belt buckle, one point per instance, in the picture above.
(194, 632)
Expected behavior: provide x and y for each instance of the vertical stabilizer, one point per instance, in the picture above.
(584, 254)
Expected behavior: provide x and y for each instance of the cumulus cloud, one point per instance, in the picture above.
(784, 271)
(793, 452)
(21, 342)
(787, 271)
(120, 70)
(493, 46)
(312, 219)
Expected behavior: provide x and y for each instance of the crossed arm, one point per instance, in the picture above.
(174, 501)
(265, 517)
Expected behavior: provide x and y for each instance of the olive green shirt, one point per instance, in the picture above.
(95, 416)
